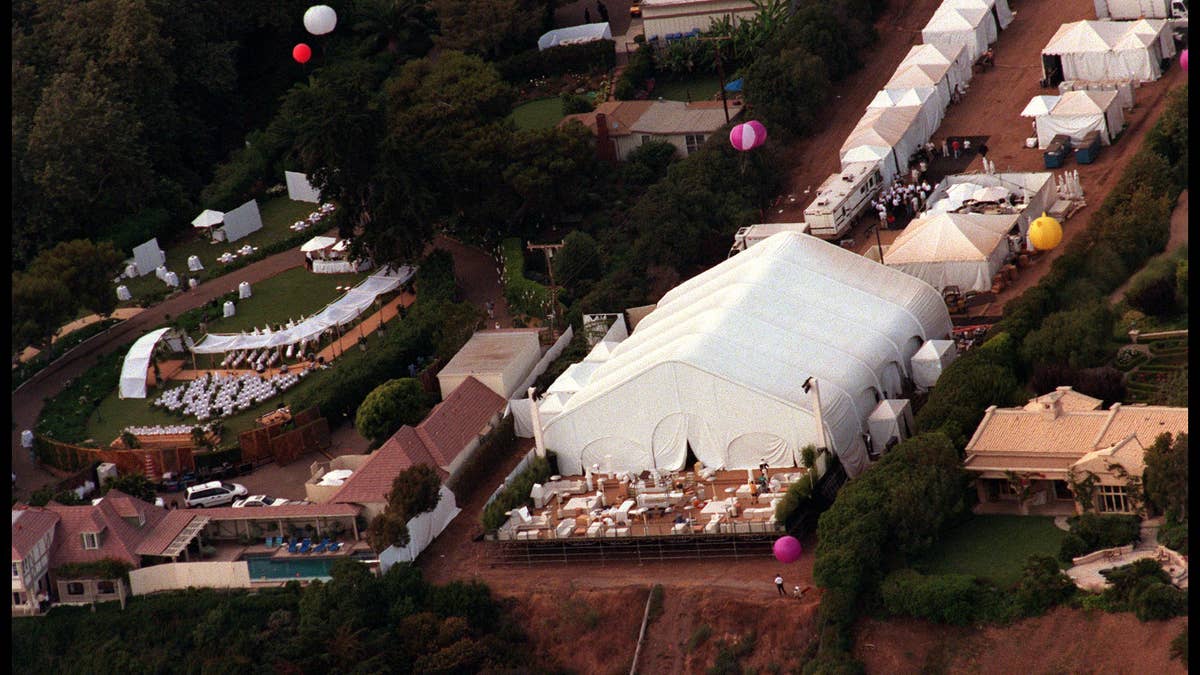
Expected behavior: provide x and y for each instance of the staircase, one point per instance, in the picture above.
(150, 468)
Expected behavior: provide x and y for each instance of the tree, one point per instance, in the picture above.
(648, 162)
(493, 29)
(1078, 337)
(1166, 476)
(578, 262)
(390, 406)
(87, 270)
(787, 88)
(40, 307)
(397, 27)
(415, 490)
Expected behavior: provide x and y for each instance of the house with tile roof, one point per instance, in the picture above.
(1031, 459)
(622, 126)
(32, 538)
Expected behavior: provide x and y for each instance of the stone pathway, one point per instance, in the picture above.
(1087, 576)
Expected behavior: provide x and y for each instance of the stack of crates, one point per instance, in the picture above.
(1056, 154)
(1089, 148)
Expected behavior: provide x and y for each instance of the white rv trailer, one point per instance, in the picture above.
(841, 198)
(752, 234)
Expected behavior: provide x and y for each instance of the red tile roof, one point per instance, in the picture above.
(28, 526)
(287, 511)
(458, 420)
(120, 539)
(165, 532)
(437, 442)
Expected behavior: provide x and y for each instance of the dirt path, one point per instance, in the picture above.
(1179, 237)
(67, 329)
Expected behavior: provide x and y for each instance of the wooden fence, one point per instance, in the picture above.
(284, 442)
(75, 458)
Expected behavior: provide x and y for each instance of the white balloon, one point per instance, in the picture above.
(320, 19)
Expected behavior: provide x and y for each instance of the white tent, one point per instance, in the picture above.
(951, 26)
(1035, 193)
(208, 218)
(927, 99)
(924, 76)
(340, 312)
(1078, 112)
(318, 244)
(575, 35)
(890, 135)
(137, 361)
(1000, 10)
(574, 378)
(1109, 50)
(954, 57)
(1039, 105)
(931, 359)
(422, 530)
(551, 406)
(718, 366)
(892, 418)
(148, 257)
(242, 221)
(602, 351)
(953, 249)
(300, 189)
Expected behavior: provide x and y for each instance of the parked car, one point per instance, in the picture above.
(635, 10)
(214, 493)
(259, 500)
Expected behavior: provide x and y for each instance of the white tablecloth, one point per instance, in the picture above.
(123, 293)
(714, 507)
(334, 267)
(579, 504)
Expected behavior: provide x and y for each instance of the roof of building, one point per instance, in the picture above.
(491, 351)
(436, 441)
(165, 532)
(286, 511)
(1063, 428)
(120, 539)
(29, 526)
(664, 118)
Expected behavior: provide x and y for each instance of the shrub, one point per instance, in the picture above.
(637, 71)
(1093, 531)
(574, 103)
(1159, 602)
(1042, 586)
(390, 406)
(65, 417)
(1153, 289)
(1078, 337)
(798, 495)
(1179, 647)
(516, 494)
(942, 598)
(1127, 581)
(1174, 535)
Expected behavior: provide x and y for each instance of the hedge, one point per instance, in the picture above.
(583, 58)
(525, 296)
(516, 494)
(956, 599)
(1093, 531)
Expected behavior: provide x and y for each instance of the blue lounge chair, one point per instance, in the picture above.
(320, 548)
(294, 547)
(335, 547)
(306, 546)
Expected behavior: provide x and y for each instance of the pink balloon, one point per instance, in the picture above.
(787, 549)
(739, 139)
(1183, 60)
(760, 132)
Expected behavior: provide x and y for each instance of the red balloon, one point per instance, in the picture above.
(301, 53)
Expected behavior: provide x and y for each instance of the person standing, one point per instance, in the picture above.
(983, 149)
(956, 146)
(945, 148)
(779, 585)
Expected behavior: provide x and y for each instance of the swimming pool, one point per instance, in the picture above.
(263, 568)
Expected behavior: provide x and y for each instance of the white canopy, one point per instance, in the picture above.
(927, 99)
(574, 378)
(1078, 112)
(718, 366)
(133, 371)
(892, 418)
(953, 249)
(1111, 50)
(953, 56)
(318, 243)
(1039, 105)
(953, 26)
(931, 359)
(602, 351)
(575, 35)
(208, 218)
(888, 134)
(342, 311)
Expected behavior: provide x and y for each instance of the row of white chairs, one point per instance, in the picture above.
(224, 395)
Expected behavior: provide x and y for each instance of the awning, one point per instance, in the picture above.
(133, 372)
(736, 85)
(318, 243)
(208, 218)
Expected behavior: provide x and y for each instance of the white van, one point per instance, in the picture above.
(214, 493)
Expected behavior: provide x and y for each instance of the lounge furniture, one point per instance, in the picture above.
(320, 548)
(294, 547)
(564, 528)
(306, 546)
(335, 547)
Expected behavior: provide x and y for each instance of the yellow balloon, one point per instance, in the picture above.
(1045, 233)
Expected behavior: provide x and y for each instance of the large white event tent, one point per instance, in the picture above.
(1109, 50)
(930, 360)
(719, 366)
(1039, 105)
(1078, 112)
(887, 135)
(137, 361)
(953, 249)
(575, 35)
(954, 56)
(1035, 193)
(340, 312)
(951, 26)
(931, 107)
(930, 77)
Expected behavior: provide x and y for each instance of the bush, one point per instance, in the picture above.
(390, 406)
(1042, 586)
(524, 296)
(516, 494)
(1093, 531)
(588, 57)
(1078, 337)
(956, 599)
(637, 71)
(1152, 290)
(1174, 535)
(574, 103)
(798, 495)
(1159, 602)
(1128, 581)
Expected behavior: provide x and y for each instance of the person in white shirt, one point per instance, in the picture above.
(779, 585)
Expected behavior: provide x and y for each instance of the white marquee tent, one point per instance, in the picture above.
(422, 530)
(931, 359)
(999, 9)
(931, 76)
(208, 218)
(1109, 50)
(953, 249)
(137, 361)
(890, 135)
(319, 243)
(892, 418)
(1039, 105)
(928, 100)
(1078, 112)
(719, 366)
(952, 26)
(575, 35)
(342, 311)
(954, 57)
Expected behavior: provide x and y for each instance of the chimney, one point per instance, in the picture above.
(1051, 409)
(605, 146)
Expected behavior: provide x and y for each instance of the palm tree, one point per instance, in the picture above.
(395, 26)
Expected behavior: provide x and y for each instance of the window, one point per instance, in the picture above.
(1062, 490)
(91, 540)
(16, 571)
(1114, 500)
(74, 588)
(1005, 488)
(106, 587)
(18, 598)
(693, 142)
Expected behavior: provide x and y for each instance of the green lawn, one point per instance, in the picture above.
(701, 87)
(540, 114)
(287, 295)
(993, 547)
(277, 215)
